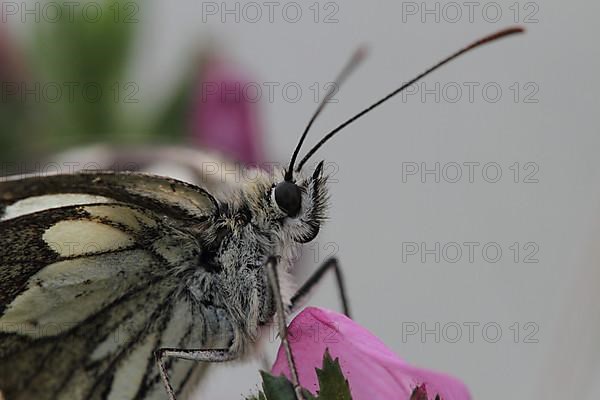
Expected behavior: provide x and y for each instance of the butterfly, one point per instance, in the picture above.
(114, 285)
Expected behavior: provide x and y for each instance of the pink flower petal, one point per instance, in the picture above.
(225, 117)
(373, 370)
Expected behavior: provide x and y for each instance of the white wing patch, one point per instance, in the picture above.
(130, 372)
(74, 238)
(39, 203)
(64, 294)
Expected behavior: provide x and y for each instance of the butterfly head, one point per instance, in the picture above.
(300, 205)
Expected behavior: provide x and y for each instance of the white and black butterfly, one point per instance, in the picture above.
(102, 271)
(117, 265)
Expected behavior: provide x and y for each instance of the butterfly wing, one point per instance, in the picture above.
(89, 291)
(176, 199)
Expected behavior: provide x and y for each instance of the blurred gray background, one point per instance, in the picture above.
(542, 123)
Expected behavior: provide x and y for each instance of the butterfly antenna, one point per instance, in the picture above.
(487, 39)
(356, 58)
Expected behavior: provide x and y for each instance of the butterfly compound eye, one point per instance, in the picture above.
(288, 197)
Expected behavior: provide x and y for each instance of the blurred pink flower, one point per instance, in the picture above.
(226, 115)
(11, 61)
(373, 371)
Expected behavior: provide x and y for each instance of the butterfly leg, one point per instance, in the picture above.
(282, 325)
(210, 355)
(302, 293)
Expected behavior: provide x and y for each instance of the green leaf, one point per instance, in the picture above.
(332, 383)
(277, 387)
(74, 53)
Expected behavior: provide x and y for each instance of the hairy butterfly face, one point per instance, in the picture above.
(301, 205)
(295, 208)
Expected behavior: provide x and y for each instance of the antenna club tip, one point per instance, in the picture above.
(516, 29)
(509, 31)
(497, 35)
